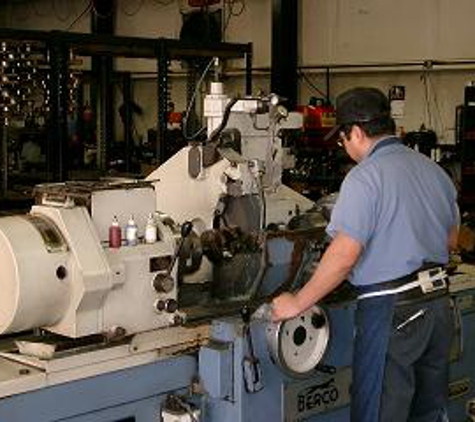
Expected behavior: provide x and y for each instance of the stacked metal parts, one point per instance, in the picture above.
(24, 81)
(26, 90)
(20, 81)
(23, 93)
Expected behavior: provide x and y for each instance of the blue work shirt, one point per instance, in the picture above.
(400, 206)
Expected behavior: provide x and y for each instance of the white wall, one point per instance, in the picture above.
(338, 32)
(331, 32)
(44, 14)
(349, 31)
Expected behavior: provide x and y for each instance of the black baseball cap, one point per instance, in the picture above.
(359, 105)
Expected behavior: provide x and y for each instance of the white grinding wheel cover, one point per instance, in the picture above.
(31, 293)
(8, 284)
(297, 345)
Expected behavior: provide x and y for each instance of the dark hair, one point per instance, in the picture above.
(374, 128)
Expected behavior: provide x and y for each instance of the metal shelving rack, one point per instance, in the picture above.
(60, 45)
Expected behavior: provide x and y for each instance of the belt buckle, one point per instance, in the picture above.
(432, 280)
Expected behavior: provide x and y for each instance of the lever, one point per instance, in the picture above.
(185, 231)
(246, 315)
(163, 282)
(251, 366)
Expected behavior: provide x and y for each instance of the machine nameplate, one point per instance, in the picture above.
(303, 399)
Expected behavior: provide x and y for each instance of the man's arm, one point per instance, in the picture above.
(334, 267)
(453, 238)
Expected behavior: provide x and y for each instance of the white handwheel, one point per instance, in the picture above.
(297, 346)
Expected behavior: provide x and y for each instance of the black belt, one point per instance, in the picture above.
(413, 295)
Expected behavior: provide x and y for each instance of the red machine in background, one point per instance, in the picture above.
(320, 165)
(319, 118)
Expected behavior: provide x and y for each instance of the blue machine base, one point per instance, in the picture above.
(137, 394)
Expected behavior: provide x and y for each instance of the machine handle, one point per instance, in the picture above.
(185, 231)
(246, 314)
(252, 371)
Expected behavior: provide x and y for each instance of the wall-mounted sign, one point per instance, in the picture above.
(397, 99)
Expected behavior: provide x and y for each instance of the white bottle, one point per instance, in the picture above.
(131, 238)
(150, 230)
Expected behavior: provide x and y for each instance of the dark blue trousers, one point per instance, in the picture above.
(400, 371)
